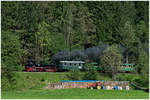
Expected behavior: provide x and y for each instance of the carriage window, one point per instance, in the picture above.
(80, 64)
(64, 64)
(129, 66)
(70, 64)
(75, 64)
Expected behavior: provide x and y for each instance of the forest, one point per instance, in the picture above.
(51, 31)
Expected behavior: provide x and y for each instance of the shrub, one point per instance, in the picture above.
(137, 78)
(19, 68)
(8, 78)
(74, 74)
(5, 84)
(91, 73)
(42, 79)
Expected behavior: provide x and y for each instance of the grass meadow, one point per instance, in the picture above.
(75, 93)
(31, 85)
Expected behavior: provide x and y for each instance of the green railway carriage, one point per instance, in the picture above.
(97, 67)
(124, 67)
(67, 65)
(127, 67)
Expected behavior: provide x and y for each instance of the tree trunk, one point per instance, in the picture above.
(126, 57)
(69, 28)
(42, 53)
(114, 76)
(37, 58)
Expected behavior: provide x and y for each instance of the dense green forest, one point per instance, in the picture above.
(53, 31)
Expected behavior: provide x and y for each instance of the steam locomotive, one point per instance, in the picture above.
(31, 66)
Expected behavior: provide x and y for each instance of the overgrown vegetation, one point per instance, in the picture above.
(91, 73)
(135, 78)
(111, 59)
(26, 80)
(53, 31)
(74, 74)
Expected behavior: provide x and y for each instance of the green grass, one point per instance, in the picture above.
(30, 86)
(49, 76)
(75, 93)
(52, 76)
(36, 80)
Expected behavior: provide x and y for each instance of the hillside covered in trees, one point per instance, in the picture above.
(54, 31)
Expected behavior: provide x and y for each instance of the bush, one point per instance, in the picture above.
(125, 77)
(5, 84)
(137, 78)
(42, 79)
(8, 78)
(19, 68)
(91, 73)
(74, 74)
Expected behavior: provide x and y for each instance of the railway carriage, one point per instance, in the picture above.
(124, 67)
(97, 67)
(67, 65)
(127, 67)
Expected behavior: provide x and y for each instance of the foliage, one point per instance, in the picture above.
(143, 69)
(11, 49)
(8, 78)
(111, 59)
(74, 74)
(43, 41)
(28, 80)
(128, 37)
(91, 73)
(19, 68)
(75, 25)
(136, 78)
(53, 31)
(11, 54)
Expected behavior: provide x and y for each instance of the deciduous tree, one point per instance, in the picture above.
(111, 59)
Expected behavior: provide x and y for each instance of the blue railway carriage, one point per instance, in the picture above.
(67, 65)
